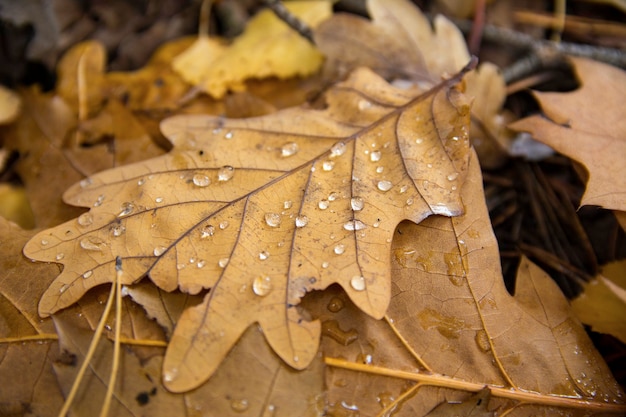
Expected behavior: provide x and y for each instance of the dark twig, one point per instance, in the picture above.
(289, 18)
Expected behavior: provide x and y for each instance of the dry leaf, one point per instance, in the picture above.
(319, 197)
(10, 105)
(14, 206)
(453, 327)
(602, 304)
(588, 125)
(268, 47)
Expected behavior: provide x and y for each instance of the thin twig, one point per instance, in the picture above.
(289, 18)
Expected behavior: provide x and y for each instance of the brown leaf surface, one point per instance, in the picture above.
(453, 326)
(588, 125)
(318, 192)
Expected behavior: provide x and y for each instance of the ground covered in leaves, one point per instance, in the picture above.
(319, 209)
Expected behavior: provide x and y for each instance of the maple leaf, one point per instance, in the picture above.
(587, 125)
(264, 210)
(453, 327)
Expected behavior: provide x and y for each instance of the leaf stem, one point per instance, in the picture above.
(516, 394)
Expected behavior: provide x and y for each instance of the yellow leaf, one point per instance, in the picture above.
(267, 48)
(264, 210)
(14, 206)
(10, 105)
(602, 305)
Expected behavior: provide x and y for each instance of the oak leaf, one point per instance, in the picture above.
(267, 47)
(264, 210)
(587, 125)
(452, 327)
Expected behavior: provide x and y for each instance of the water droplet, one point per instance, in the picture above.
(357, 283)
(224, 225)
(225, 173)
(357, 203)
(419, 141)
(85, 219)
(180, 266)
(272, 219)
(117, 229)
(364, 104)
(337, 149)
(455, 138)
(126, 208)
(404, 189)
(207, 231)
(289, 149)
(87, 274)
(201, 264)
(63, 288)
(60, 256)
(323, 204)
(354, 225)
(333, 196)
(262, 285)
(223, 262)
(351, 407)
(86, 182)
(380, 170)
(287, 204)
(325, 265)
(44, 242)
(384, 185)
(296, 359)
(228, 135)
(92, 243)
(201, 180)
(158, 199)
(158, 251)
(99, 201)
(376, 223)
(263, 255)
(453, 176)
(339, 248)
(302, 221)
(375, 156)
(409, 201)
(169, 376)
(328, 165)
(141, 181)
(335, 304)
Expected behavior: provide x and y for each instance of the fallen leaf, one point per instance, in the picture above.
(14, 206)
(474, 406)
(319, 197)
(587, 125)
(602, 304)
(452, 327)
(268, 47)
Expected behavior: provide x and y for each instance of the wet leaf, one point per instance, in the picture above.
(262, 211)
(267, 48)
(593, 134)
(602, 305)
(452, 327)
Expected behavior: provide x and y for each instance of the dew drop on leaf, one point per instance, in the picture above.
(263, 255)
(404, 189)
(201, 264)
(92, 243)
(141, 182)
(223, 262)
(380, 170)
(289, 149)
(419, 141)
(44, 242)
(60, 256)
(201, 180)
(337, 149)
(323, 204)
(302, 221)
(328, 165)
(224, 225)
(453, 176)
(332, 196)
(272, 219)
(207, 231)
(354, 225)
(339, 248)
(409, 201)
(85, 219)
(158, 251)
(364, 104)
(325, 264)
(117, 230)
(287, 204)
(99, 201)
(482, 340)
(63, 288)
(357, 283)
(262, 285)
(158, 199)
(87, 274)
(125, 209)
(85, 182)
(375, 156)
(225, 173)
(228, 135)
(384, 185)
(357, 203)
